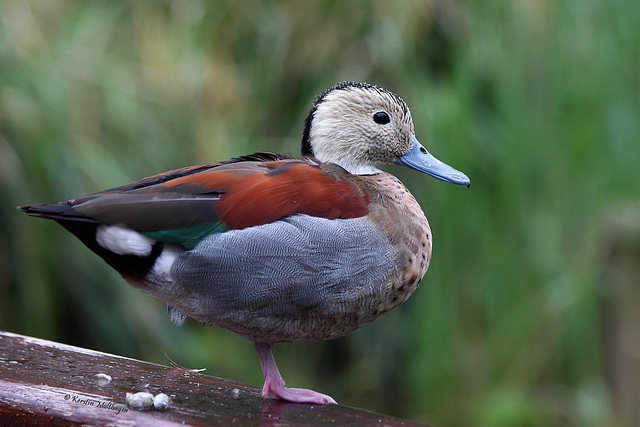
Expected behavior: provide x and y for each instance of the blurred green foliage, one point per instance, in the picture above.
(528, 315)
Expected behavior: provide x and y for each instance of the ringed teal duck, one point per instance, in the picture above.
(274, 248)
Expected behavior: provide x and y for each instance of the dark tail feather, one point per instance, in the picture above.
(131, 267)
(57, 212)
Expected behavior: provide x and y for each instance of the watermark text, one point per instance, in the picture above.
(96, 403)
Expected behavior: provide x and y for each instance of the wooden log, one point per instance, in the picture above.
(47, 383)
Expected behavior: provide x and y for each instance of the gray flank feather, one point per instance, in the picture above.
(293, 268)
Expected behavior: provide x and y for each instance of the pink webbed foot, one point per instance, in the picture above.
(274, 384)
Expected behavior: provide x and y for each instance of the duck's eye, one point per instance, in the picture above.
(381, 118)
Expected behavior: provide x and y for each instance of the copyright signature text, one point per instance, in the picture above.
(96, 403)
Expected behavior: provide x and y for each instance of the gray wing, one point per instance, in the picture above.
(297, 267)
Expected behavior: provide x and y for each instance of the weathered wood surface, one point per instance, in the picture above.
(47, 383)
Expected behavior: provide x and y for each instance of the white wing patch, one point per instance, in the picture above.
(124, 241)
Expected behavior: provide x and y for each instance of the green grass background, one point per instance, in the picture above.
(528, 315)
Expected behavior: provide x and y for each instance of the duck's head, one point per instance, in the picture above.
(360, 127)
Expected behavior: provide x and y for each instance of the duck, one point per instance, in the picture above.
(272, 247)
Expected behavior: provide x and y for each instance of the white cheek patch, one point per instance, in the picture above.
(124, 241)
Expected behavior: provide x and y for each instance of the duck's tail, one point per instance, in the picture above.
(132, 266)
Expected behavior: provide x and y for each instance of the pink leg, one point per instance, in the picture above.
(274, 384)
